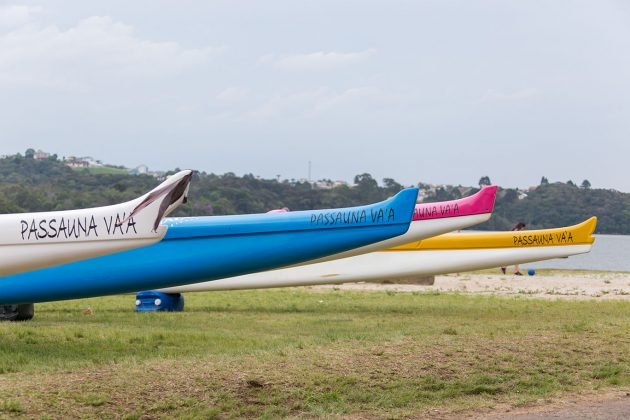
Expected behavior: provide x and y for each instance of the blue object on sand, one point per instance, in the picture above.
(152, 301)
(531, 271)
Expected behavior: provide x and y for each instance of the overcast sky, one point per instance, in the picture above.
(434, 91)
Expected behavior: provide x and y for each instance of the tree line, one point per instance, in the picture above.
(28, 185)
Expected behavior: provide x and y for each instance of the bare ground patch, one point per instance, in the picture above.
(554, 285)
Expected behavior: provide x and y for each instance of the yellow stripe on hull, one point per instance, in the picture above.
(579, 234)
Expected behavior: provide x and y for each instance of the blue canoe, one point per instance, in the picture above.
(207, 248)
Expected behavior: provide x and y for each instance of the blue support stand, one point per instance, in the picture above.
(152, 301)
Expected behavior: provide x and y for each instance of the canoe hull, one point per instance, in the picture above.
(390, 265)
(30, 241)
(197, 249)
(22, 258)
(432, 219)
(449, 253)
(418, 230)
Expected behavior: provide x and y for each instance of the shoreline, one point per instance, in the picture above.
(549, 284)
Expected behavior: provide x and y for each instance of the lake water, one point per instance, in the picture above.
(610, 252)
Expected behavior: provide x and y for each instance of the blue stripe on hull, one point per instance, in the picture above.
(208, 248)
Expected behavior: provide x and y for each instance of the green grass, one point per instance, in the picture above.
(101, 170)
(309, 352)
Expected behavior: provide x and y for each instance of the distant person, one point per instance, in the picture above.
(518, 226)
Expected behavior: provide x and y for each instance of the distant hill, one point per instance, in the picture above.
(27, 184)
(560, 204)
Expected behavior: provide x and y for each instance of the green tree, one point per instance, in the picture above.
(367, 189)
(28, 185)
(484, 180)
(365, 181)
(586, 185)
(544, 181)
(391, 185)
(29, 154)
(510, 196)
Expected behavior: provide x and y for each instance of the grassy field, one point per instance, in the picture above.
(100, 170)
(302, 352)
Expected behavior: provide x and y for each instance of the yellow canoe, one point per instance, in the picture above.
(580, 234)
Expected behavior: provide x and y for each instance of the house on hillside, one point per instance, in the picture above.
(83, 162)
(139, 170)
(159, 175)
(144, 170)
(327, 184)
(75, 162)
(41, 155)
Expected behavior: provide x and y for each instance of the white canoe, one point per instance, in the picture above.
(451, 253)
(30, 241)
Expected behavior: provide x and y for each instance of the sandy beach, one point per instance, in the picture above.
(556, 285)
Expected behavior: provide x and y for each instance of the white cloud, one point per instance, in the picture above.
(317, 61)
(96, 51)
(16, 15)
